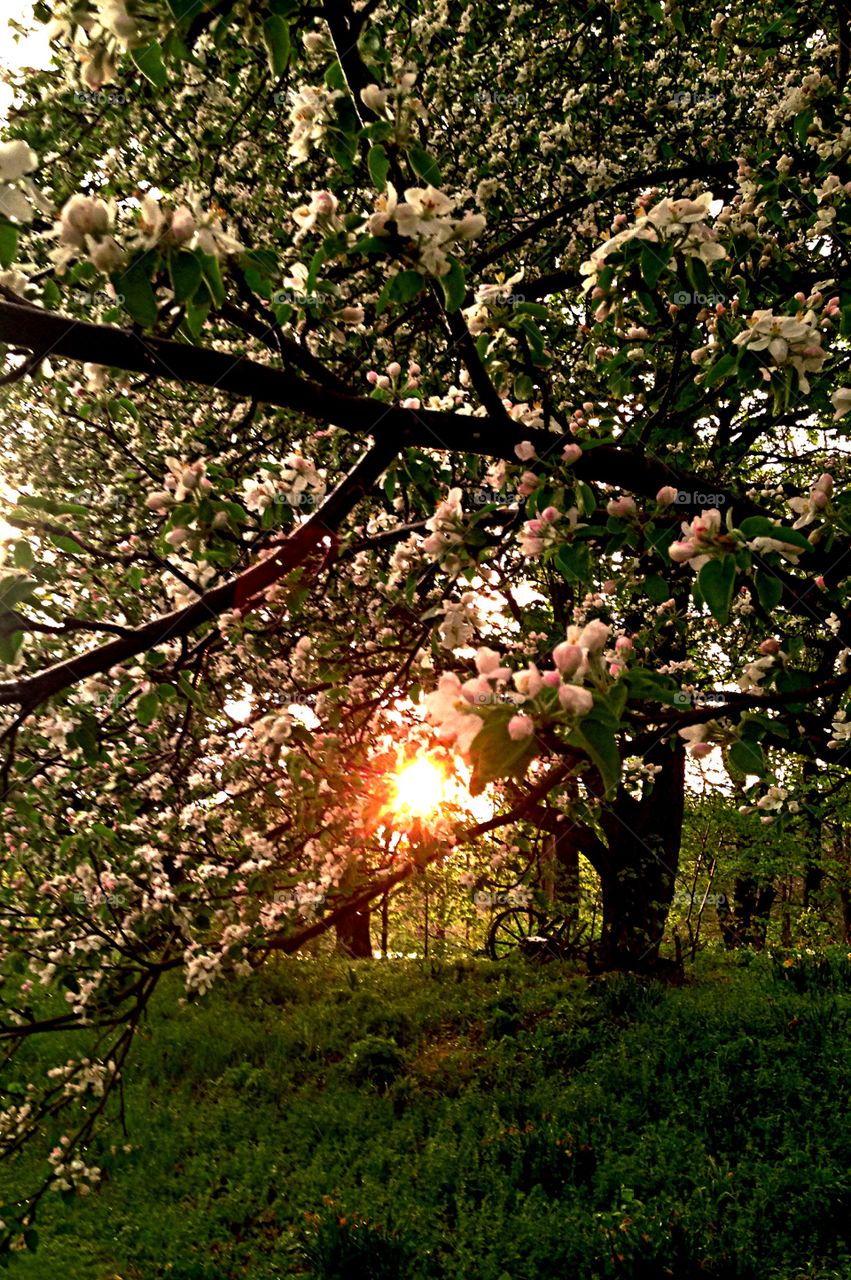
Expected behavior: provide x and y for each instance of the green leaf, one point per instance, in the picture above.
(747, 757)
(147, 708)
(10, 643)
(654, 260)
(656, 588)
(276, 37)
(574, 562)
(65, 544)
(523, 387)
(196, 314)
(186, 274)
(720, 369)
(378, 165)
(769, 589)
(22, 556)
(495, 755)
(654, 687)
(597, 740)
(716, 580)
(424, 166)
(761, 527)
(454, 285)
(405, 286)
(134, 286)
(8, 244)
(213, 277)
(150, 62)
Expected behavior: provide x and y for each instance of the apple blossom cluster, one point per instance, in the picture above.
(425, 220)
(840, 729)
(72, 1175)
(296, 481)
(100, 31)
(789, 341)
(700, 739)
(447, 531)
(556, 696)
(312, 114)
(457, 627)
(678, 226)
(548, 530)
(397, 104)
(19, 196)
(490, 302)
(705, 538)
(86, 224)
(812, 507)
(771, 802)
(395, 381)
(185, 483)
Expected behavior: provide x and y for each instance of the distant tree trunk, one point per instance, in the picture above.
(747, 924)
(353, 937)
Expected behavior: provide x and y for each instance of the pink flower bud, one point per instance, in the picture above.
(520, 726)
(681, 551)
(622, 507)
(770, 646)
(524, 450)
(372, 377)
(575, 700)
(567, 657)
(700, 749)
(552, 679)
(666, 495)
(550, 515)
(623, 644)
(394, 369)
(572, 453)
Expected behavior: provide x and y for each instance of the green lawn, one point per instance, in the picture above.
(480, 1123)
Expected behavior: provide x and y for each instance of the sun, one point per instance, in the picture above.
(420, 788)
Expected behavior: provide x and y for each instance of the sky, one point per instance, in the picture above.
(32, 51)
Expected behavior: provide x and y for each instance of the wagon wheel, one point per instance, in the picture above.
(573, 937)
(509, 930)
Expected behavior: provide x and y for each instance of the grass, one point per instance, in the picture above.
(475, 1122)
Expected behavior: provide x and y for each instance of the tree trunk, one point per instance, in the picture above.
(638, 870)
(353, 937)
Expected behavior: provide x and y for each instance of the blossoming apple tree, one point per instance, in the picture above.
(385, 381)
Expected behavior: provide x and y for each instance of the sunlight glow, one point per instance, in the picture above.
(420, 788)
